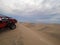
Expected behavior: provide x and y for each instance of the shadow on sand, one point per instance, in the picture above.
(4, 30)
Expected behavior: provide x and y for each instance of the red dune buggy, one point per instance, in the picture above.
(6, 21)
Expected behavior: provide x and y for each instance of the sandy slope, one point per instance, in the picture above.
(29, 36)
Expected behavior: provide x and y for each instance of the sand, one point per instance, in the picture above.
(32, 34)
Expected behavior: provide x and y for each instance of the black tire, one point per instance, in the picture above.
(12, 26)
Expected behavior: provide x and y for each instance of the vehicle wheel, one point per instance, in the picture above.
(12, 26)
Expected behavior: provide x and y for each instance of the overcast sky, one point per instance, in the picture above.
(32, 10)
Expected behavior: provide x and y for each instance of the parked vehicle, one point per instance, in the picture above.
(6, 21)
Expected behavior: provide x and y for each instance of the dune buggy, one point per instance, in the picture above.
(6, 21)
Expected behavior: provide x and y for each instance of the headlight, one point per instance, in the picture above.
(6, 18)
(3, 18)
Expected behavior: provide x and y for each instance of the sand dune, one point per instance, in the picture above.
(32, 34)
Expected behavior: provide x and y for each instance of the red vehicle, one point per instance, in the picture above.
(6, 21)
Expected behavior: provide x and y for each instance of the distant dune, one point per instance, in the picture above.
(53, 30)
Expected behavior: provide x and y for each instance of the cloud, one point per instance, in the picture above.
(38, 10)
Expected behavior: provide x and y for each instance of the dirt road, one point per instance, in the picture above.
(25, 36)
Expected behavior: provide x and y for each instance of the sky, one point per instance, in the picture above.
(47, 11)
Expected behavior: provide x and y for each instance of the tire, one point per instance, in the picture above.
(12, 26)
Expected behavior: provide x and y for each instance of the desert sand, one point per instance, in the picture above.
(32, 34)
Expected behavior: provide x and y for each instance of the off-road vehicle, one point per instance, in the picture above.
(6, 21)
